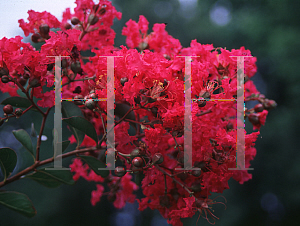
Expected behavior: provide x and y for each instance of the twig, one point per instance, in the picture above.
(38, 146)
(177, 181)
(44, 162)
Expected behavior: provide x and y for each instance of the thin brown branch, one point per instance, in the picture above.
(38, 146)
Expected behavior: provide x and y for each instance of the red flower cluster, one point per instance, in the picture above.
(150, 98)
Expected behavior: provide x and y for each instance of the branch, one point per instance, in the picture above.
(40, 135)
(44, 162)
(175, 180)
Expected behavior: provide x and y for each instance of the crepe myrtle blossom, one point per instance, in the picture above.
(149, 107)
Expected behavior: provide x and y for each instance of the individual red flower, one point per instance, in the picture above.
(36, 19)
(124, 194)
(97, 194)
(47, 99)
(182, 212)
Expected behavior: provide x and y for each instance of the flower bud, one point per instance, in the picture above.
(196, 173)
(67, 26)
(75, 53)
(180, 157)
(93, 95)
(64, 63)
(18, 112)
(36, 37)
(75, 66)
(5, 79)
(75, 20)
(143, 45)
(154, 111)
(22, 81)
(135, 153)
(44, 30)
(229, 126)
(157, 158)
(120, 171)
(90, 104)
(8, 109)
(50, 67)
(253, 118)
(269, 104)
(201, 102)
(259, 108)
(93, 19)
(206, 95)
(123, 80)
(34, 82)
(167, 57)
(137, 162)
(102, 11)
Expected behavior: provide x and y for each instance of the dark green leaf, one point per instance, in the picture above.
(65, 145)
(8, 161)
(52, 178)
(17, 202)
(83, 125)
(24, 139)
(19, 102)
(69, 109)
(95, 164)
(121, 109)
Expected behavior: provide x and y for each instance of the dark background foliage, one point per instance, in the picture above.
(270, 29)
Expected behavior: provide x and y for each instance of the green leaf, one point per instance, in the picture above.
(8, 161)
(83, 125)
(19, 102)
(52, 178)
(121, 109)
(69, 109)
(94, 164)
(24, 138)
(17, 202)
(65, 145)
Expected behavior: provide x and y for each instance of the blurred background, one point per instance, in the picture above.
(270, 29)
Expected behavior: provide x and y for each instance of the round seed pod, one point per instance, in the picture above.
(8, 109)
(137, 162)
(5, 79)
(120, 171)
(18, 112)
(75, 20)
(93, 19)
(90, 104)
(157, 158)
